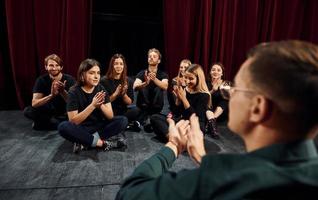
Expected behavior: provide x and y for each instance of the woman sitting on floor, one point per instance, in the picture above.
(219, 111)
(194, 98)
(90, 114)
(120, 89)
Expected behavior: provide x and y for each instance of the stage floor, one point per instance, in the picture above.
(41, 165)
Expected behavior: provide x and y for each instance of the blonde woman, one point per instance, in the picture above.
(194, 98)
(178, 80)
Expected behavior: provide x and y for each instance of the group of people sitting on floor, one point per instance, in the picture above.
(272, 107)
(95, 110)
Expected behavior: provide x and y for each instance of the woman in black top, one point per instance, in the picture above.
(120, 88)
(90, 113)
(194, 98)
(175, 82)
(219, 109)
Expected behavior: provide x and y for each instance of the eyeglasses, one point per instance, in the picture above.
(227, 91)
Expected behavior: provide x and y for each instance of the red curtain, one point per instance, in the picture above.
(207, 31)
(38, 28)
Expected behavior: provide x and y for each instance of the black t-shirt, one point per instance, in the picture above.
(218, 101)
(198, 105)
(119, 106)
(43, 85)
(78, 100)
(160, 75)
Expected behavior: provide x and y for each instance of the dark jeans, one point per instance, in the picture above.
(160, 125)
(132, 113)
(80, 134)
(149, 101)
(44, 116)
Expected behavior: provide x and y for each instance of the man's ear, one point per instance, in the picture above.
(159, 60)
(261, 109)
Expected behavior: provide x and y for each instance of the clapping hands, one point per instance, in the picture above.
(98, 99)
(57, 87)
(187, 135)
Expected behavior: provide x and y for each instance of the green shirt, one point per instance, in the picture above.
(277, 171)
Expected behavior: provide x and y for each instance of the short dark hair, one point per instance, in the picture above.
(287, 71)
(85, 65)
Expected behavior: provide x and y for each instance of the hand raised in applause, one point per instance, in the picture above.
(124, 90)
(98, 99)
(177, 133)
(118, 90)
(180, 92)
(195, 144)
(54, 88)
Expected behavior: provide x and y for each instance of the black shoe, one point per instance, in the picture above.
(107, 145)
(135, 126)
(114, 144)
(211, 129)
(77, 147)
(148, 128)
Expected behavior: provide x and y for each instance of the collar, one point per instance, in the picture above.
(295, 151)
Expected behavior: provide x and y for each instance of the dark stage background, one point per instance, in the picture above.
(204, 31)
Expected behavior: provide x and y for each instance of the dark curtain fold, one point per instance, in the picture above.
(38, 28)
(223, 30)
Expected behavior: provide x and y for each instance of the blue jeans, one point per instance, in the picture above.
(80, 134)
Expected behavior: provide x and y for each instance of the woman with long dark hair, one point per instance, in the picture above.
(219, 110)
(120, 89)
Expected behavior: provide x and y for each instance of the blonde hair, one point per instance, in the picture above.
(201, 86)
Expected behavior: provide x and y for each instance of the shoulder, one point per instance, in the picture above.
(44, 78)
(68, 77)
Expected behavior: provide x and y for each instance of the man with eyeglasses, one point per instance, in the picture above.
(273, 107)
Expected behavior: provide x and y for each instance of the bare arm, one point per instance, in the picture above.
(97, 102)
(107, 110)
(39, 99)
(78, 118)
(163, 84)
(138, 84)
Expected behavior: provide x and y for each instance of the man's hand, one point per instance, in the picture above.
(195, 144)
(61, 86)
(152, 75)
(147, 78)
(55, 88)
(177, 134)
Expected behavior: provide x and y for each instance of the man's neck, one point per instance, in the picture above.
(57, 77)
(153, 68)
(263, 136)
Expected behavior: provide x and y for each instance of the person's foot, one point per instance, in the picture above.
(114, 144)
(148, 128)
(134, 126)
(77, 147)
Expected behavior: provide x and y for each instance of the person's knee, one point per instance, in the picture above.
(121, 120)
(63, 127)
(28, 112)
